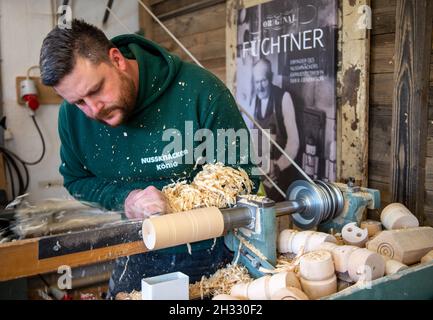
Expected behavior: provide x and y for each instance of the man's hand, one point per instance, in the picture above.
(143, 203)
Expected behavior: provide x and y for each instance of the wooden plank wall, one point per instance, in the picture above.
(381, 90)
(203, 32)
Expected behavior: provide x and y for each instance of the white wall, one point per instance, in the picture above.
(23, 26)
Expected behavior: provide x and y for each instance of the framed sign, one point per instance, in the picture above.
(287, 66)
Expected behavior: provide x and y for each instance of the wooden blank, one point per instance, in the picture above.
(184, 227)
(405, 245)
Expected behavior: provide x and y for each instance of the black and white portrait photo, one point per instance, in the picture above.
(285, 79)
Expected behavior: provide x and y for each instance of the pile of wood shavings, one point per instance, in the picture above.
(289, 262)
(134, 295)
(215, 186)
(221, 282)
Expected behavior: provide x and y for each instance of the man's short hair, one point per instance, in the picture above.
(61, 47)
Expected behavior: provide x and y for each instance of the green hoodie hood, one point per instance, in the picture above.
(158, 68)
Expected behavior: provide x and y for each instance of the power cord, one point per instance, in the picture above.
(13, 163)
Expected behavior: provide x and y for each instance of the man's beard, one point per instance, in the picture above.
(124, 105)
(263, 94)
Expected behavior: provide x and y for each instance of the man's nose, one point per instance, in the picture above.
(94, 105)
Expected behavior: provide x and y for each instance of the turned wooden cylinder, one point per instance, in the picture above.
(240, 290)
(259, 289)
(283, 280)
(365, 265)
(319, 289)
(397, 216)
(341, 256)
(184, 227)
(289, 293)
(316, 265)
(292, 241)
(394, 266)
(428, 257)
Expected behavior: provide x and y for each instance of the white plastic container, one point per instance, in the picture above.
(170, 286)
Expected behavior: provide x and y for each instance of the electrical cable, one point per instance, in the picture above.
(43, 144)
(13, 162)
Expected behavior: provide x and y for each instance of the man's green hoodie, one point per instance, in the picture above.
(101, 164)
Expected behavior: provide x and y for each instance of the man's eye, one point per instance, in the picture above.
(95, 91)
(79, 102)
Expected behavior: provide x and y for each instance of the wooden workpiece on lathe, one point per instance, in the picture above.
(289, 293)
(184, 227)
(365, 265)
(373, 227)
(292, 241)
(396, 216)
(353, 235)
(405, 245)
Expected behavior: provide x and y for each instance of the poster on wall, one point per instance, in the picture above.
(286, 80)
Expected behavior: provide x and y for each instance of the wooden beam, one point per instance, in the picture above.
(410, 103)
(145, 20)
(21, 258)
(353, 91)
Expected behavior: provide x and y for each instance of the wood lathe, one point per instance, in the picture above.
(249, 229)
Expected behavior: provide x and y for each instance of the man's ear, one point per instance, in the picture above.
(117, 59)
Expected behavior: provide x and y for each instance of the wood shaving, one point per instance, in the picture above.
(215, 186)
(340, 240)
(221, 282)
(247, 244)
(289, 262)
(134, 295)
